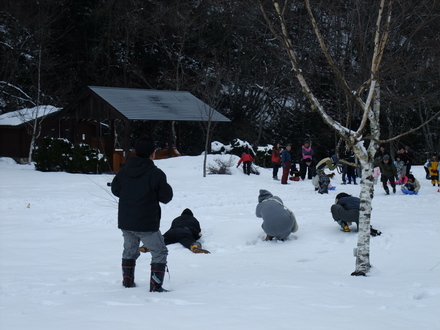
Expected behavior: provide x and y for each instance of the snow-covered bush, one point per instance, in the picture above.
(221, 167)
(262, 157)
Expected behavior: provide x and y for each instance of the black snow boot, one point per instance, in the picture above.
(157, 276)
(128, 266)
(375, 232)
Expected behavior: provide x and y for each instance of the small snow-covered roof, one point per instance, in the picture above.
(18, 117)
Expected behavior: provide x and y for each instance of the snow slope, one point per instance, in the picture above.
(60, 257)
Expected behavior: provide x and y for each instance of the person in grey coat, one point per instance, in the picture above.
(278, 220)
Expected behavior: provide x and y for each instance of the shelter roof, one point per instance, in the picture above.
(150, 104)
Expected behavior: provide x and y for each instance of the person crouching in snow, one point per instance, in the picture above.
(247, 160)
(331, 163)
(278, 221)
(315, 181)
(412, 185)
(185, 229)
(345, 211)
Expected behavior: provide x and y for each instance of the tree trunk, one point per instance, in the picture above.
(366, 196)
(208, 138)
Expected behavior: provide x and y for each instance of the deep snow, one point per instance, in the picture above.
(60, 257)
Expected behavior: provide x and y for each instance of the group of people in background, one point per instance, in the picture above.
(308, 167)
(282, 158)
(399, 171)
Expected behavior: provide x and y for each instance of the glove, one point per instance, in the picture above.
(238, 166)
(284, 165)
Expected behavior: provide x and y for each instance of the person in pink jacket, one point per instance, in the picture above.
(307, 164)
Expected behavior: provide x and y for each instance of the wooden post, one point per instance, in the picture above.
(111, 148)
(170, 138)
(127, 140)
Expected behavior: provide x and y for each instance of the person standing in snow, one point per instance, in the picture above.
(389, 172)
(247, 160)
(278, 221)
(141, 186)
(410, 158)
(276, 160)
(400, 166)
(286, 160)
(307, 161)
(382, 151)
(185, 229)
(433, 170)
(348, 170)
(404, 158)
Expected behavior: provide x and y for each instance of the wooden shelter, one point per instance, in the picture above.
(107, 107)
(15, 127)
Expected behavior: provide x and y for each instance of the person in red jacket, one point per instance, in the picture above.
(247, 160)
(276, 160)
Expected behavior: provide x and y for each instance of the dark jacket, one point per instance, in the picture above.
(379, 154)
(388, 170)
(187, 220)
(140, 186)
(349, 202)
(285, 157)
(403, 157)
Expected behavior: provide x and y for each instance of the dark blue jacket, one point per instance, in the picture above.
(140, 186)
(285, 157)
(349, 202)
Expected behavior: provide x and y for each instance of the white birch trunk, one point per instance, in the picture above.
(36, 130)
(366, 196)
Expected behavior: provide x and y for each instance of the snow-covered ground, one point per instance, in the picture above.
(60, 257)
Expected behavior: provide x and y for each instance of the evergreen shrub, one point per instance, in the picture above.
(60, 155)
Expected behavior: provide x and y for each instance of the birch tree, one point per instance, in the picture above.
(362, 138)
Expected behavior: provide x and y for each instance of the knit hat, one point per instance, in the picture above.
(264, 194)
(187, 212)
(386, 157)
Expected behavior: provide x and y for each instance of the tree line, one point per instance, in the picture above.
(225, 53)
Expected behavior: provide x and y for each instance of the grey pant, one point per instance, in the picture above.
(153, 239)
(341, 214)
